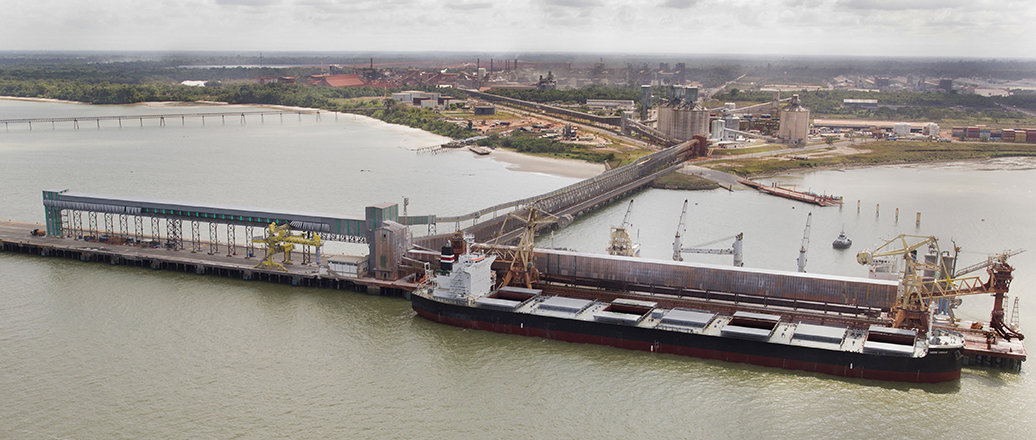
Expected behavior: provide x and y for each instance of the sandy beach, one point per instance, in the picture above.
(547, 165)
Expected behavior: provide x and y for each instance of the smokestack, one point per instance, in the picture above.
(490, 65)
(446, 258)
(372, 62)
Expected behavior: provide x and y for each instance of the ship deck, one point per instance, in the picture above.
(762, 327)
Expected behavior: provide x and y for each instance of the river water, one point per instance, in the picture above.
(96, 351)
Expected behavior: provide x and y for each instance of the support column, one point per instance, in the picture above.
(123, 227)
(138, 229)
(248, 239)
(92, 217)
(195, 237)
(77, 224)
(213, 239)
(177, 233)
(231, 240)
(156, 232)
(109, 228)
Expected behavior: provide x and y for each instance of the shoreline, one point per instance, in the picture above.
(512, 160)
(843, 167)
(575, 168)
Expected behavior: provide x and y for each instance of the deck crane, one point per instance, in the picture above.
(734, 249)
(913, 304)
(278, 239)
(621, 243)
(805, 244)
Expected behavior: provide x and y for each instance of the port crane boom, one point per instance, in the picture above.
(621, 243)
(805, 244)
(735, 248)
(924, 282)
(983, 264)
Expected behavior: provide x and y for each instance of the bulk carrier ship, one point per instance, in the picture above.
(461, 293)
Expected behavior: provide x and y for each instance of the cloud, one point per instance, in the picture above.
(253, 3)
(678, 4)
(903, 5)
(467, 6)
(572, 3)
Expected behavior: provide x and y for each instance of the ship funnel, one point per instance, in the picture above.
(446, 259)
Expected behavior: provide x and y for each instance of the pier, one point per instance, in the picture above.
(162, 118)
(219, 240)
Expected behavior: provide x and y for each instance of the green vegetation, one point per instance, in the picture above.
(533, 144)
(945, 108)
(881, 153)
(678, 180)
(420, 118)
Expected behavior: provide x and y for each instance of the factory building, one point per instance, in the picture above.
(794, 122)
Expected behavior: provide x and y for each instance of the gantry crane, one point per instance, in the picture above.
(805, 244)
(734, 249)
(913, 304)
(278, 239)
(521, 270)
(621, 243)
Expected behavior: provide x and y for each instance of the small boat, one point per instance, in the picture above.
(842, 242)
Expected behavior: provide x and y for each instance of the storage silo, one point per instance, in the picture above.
(682, 122)
(681, 118)
(794, 125)
(717, 128)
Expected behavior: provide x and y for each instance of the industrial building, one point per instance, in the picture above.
(682, 118)
(610, 104)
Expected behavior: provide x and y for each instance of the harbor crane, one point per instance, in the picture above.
(924, 282)
(278, 239)
(679, 250)
(521, 270)
(805, 244)
(621, 243)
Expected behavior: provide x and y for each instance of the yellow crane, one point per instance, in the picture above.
(917, 291)
(278, 239)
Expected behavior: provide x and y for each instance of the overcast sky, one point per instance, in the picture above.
(952, 28)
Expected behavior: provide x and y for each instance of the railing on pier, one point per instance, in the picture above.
(163, 117)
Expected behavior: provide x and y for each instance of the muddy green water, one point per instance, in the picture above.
(91, 351)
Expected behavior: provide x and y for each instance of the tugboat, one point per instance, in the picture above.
(842, 242)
